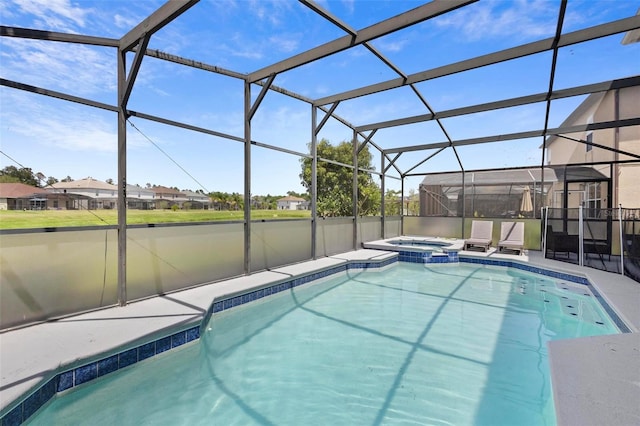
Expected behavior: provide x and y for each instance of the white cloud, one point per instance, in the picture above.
(77, 69)
(66, 128)
(391, 45)
(59, 125)
(521, 19)
(272, 11)
(247, 53)
(285, 43)
(124, 22)
(58, 15)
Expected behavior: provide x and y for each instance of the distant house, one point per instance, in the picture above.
(292, 203)
(167, 197)
(140, 198)
(86, 193)
(19, 196)
(195, 200)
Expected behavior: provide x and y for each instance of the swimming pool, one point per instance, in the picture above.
(462, 344)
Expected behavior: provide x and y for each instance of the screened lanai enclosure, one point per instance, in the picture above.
(450, 111)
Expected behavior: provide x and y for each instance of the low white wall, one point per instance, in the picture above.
(392, 226)
(56, 272)
(369, 229)
(451, 227)
(334, 235)
(445, 227)
(165, 259)
(48, 274)
(279, 242)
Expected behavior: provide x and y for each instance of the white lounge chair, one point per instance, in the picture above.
(511, 236)
(481, 231)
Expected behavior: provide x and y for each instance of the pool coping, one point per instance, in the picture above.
(455, 245)
(84, 347)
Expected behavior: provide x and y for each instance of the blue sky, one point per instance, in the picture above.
(59, 138)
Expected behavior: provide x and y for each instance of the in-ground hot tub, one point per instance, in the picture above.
(421, 249)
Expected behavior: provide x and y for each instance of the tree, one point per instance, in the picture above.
(412, 203)
(109, 181)
(392, 202)
(236, 201)
(51, 180)
(335, 182)
(13, 174)
(9, 179)
(299, 195)
(40, 176)
(67, 179)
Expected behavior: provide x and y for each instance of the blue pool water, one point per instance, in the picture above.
(443, 344)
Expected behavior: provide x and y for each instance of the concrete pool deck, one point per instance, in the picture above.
(595, 380)
(442, 244)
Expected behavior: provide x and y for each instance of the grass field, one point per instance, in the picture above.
(19, 219)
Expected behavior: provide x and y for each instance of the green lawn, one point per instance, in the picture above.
(19, 219)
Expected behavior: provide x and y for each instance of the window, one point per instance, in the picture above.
(593, 200)
(589, 141)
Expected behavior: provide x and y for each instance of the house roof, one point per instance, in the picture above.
(526, 176)
(139, 189)
(86, 183)
(290, 198)
(165, 190)
(578, 174)
(194, 194)
(19, 190)
(591, 102)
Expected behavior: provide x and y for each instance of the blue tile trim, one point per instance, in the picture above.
(85, 374)
(146, 351)
(127, 358)
(427, 257)
(91, 371)
(223, 305)
(528, 268)
(65, 381)
(107, 365)
(163, 344)
(612, 314)
(13, 417)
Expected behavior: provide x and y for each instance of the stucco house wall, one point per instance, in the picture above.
(601, 107)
